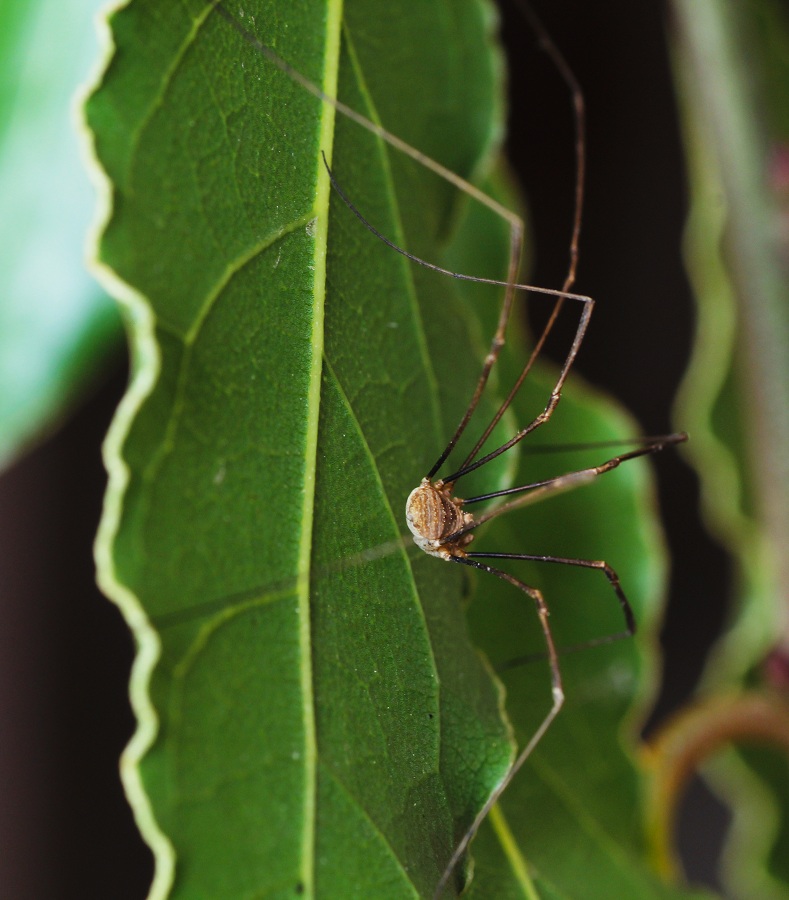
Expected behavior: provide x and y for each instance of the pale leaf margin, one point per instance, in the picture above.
(146, 365)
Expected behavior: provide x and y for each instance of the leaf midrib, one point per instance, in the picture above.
(323, 188)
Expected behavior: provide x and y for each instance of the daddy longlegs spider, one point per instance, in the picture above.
(437, 518)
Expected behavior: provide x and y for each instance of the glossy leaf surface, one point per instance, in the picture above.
(314, 718)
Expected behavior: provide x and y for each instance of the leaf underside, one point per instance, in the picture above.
(321, 722)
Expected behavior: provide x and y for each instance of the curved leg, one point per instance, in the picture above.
(558, 701)
(542, 490)
(600, 565)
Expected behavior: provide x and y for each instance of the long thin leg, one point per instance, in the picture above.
(601, 565)
(516, 239)
(373, 127)
(579, 111)
(541, 490)
(460, 276)
(513, 267)
(498, 340)
(553, 401)
(516, 231)
(537, 491)
(645, 440)
(558, 701)
(602, 640)
(513, 219)
(516, 242)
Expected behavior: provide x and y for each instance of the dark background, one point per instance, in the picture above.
(65, 828)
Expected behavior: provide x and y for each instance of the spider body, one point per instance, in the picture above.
(435, 516)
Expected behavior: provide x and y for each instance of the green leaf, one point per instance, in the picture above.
(303, 741)
(55, 325)
(314, 718)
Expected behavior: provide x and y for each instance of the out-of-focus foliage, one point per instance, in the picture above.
(732, 69)
(56, 325)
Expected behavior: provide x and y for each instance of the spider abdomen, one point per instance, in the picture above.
(433, 515)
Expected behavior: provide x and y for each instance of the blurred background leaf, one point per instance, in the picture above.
(56, 326)
(732, 70)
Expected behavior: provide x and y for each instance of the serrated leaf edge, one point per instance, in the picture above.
(146, 366)
(146, 363)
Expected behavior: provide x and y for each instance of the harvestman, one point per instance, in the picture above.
(437, 518)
